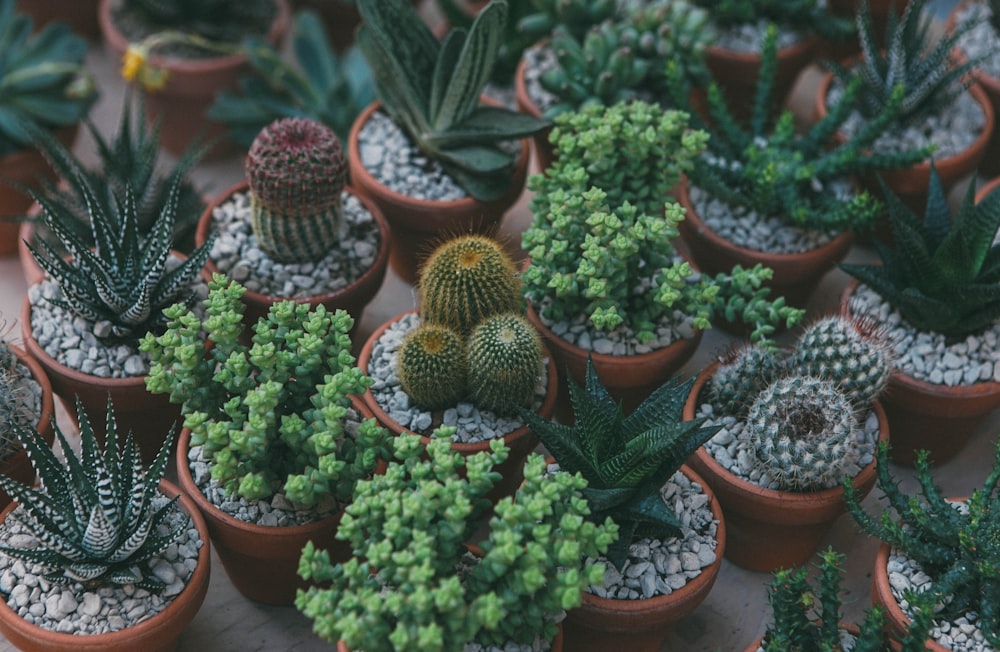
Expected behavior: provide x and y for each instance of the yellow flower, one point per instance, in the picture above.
(136, 68)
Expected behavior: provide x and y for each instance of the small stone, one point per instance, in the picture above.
(91, 605)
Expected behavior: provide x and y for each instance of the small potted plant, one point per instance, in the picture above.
(275, 436)
(671, 535)
(433, 156)
(413, 583)
(100, 531)
(944, 549)
(292, 229)
(978, 24)
(795, 425)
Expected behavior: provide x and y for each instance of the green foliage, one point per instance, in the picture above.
(92, 516)
(296, 170)
(959, 549)
(431, 90)
(775, 171)
(625, 460)
(512, 44)
(271, 414)
(803, 15)
(505, 362)
(941, 274)
(576, 16)
(319, 84)
(408, 528)
(218, 20)
(15, 412)
(43, 81)
(433, 366)
(742, 375)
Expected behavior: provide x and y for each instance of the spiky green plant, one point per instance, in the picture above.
(625, 459)
(505, 362)
(42, 78)
(941, 274)
(431, 89)
(15, 411)
(576, 16)
(92, 516)
(803, 15)
(433, 366)
(741, 375)
(319, 84)
(218, 20)
(957, 547)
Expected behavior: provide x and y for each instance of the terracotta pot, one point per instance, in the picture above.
(926, 416)
(520, 441)
(769, 529)
(159, 633)
(896, 621)
(910, 184)
(610, 625)
(192, 85)
(80, 15)
(353, 298)
(419, 224)
(544, 150)
(796, 275)
(17, 466)
(26, 166)
(148, 416)
(557, 643)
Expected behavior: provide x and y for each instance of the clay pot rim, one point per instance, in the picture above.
(194, 591)
(547, 408)
(808, 41)
(378, 266)
(882, 594)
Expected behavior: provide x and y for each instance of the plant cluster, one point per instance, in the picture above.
(271, 414)
(228, 21)
(776, 171)
(474, 341)
(802, 15)
(410, 584)
(957, 545)
(92, 517)
(625, 460)
(601, 240)
(575, 16)
(804, 411)
(296, 170)
(941, 273)
(15, 411)
(431, 89)
(319, 84)
(43, 80)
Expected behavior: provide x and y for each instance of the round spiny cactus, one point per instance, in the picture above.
(296, 170)
(14, 410)
(432, 366)
(804, 432)
(741, 375)
(467, 279)
(852, 353)
(505, 359)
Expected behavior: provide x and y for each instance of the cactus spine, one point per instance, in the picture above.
(741, 376)
(432, 366)
(14, 409)
(296, 170)
(505, 359)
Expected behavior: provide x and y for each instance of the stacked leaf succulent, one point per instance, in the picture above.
(92, 516)
(431, 89)
(601, 240)
(776, 171)
(802, 15)
(626, 460)
(296, 170)
(329, 88)
(410, 584)
(15, 411)
(270, 414)
(941, 273)
(216, 20)
(42, 78)
(957, 546)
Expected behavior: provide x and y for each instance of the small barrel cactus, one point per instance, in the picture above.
(467, 279)
(741, 376)
(296, 169)
(804, 432)
(432, 366)
(505, 358)
(14, 409)
(851, 353)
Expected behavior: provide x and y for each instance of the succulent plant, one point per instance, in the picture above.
(92, 516)
(42, 78)
(433, 365)
(576, 16)
(431, 89)
(505, 362)
(15, 411)
(296, 170)
(941, 274)
(466, 279)
(803, 15)
(217, 20)
(319, 84)
(272, 415)
(513, 43)
(741, 375)
(626, 460)
(956, 545)
(410, 584)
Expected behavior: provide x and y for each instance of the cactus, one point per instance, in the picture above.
(296, 170)
(466, 280)
(14, 411)
(742, 374)
(803, 431)
(505, 358)
(432, 366)
(851, 353)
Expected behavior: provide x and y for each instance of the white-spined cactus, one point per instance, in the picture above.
(741, 375)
